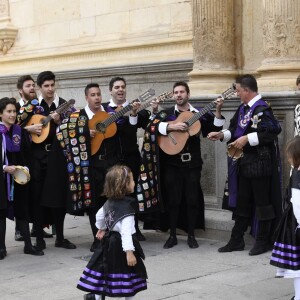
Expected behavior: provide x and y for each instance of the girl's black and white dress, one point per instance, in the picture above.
(108, 272)
(286, 251)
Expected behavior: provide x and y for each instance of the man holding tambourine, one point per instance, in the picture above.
(254, 174)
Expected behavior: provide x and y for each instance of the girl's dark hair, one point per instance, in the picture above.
(5, 101)
(293, 151)
(116, 182)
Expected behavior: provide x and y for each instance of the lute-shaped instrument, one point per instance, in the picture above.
(45, 121)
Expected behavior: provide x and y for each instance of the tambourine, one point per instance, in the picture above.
(234, 153)
(21, 175)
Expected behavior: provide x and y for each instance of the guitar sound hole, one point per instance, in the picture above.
(100, 127)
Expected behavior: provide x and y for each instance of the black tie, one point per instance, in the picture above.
(246, 108)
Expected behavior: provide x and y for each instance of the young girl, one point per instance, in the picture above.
(13, 196)
(286, 251)
(116, 269)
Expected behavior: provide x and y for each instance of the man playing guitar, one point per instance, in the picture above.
(181, 172)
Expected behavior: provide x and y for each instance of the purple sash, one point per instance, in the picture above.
(10, 144)
(243, 123)
(245, 119)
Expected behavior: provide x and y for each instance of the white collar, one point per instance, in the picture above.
(255, 99)
(191, 108)
(55, 101)
(21, 102)
(113, 104)
(89, 113)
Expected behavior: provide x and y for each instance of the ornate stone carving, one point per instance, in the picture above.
(4, 8)
(213, 23)
(8, 32)
(281, 28)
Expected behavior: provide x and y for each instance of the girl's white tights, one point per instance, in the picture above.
(297, 288)
(126, 298)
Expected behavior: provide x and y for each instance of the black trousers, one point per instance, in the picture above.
(254, 196)
(183, 184)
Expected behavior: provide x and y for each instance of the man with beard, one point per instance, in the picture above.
(27, 91)
(181, 173)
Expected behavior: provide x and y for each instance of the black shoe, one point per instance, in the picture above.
(260, 248)
(191, 241)
(46, 235)
(3, 253)
(140, 236)
(18, 236)
(94, 246)
(40, 245)
(293, 298)
(233, 246)
(65, 244)
(89, 296)
(33, 251)
(171, 242)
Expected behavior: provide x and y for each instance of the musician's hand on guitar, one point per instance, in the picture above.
(219, 103)
(180, 126)
(154, 105)
(34, 128)
(92, 133)
(56, 117)
(135, 106)
(215, 136)
(240, 142)
(10, 169)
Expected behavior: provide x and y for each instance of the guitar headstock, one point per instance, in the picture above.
(146, 95)
(164, 96)
(229, 92)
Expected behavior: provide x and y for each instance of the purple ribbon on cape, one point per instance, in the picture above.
(11, 144)
(243, 123)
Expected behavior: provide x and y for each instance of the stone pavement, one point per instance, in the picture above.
(179, 273)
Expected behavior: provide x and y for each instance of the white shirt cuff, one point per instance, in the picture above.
(162, 128)
(227, 135)
(296, 203)
(253, 139)
(133, 120)
(219, 122)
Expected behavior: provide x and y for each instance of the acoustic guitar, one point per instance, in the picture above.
(174, 141)
(105, 125)
(45, 121)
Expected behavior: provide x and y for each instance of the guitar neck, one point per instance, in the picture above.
(201, 113)
(61, 109)
(226, 94)
(115, 116)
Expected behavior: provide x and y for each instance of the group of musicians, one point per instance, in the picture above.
(68, 160)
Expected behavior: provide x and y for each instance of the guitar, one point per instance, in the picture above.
(174, 141)
(105, 125)
(45, 121)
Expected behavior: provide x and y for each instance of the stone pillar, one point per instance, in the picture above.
(281, 45)
(214, 46)
(8, 32)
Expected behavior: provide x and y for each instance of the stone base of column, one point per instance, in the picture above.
(210, 81)
(277, 77)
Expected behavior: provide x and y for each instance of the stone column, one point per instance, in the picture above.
(281, 45)
(214, 46)
(8, 32)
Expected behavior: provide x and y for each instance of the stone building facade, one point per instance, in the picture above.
(154, 43)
